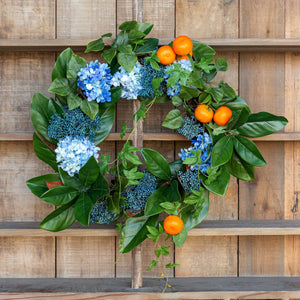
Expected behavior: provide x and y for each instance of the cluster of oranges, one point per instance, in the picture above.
(205, 114)
(181, 47)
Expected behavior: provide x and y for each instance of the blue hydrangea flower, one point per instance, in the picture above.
(189, 180)
(203, 143)
(130, 82)
(136, 196)
(72, 153)
(190, 128)
(185, 64)
(73, 123)
(95, 81)
(101, 215)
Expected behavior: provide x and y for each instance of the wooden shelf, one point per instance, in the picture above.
(181, 287)
(206, 228)
(276, 137)
(248, 45)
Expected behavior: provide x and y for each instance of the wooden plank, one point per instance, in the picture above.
(262, 19)
(30, 20)
(27, 257)
(217, 19)
(292, 28)
(85, 18)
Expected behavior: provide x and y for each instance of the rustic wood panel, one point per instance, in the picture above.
(292, 26)
(31, 19)
(124, 11)
(207, 19)
(22, 74)
(27, 257)
(85, 18)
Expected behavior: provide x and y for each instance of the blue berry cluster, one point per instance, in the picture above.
(95, 81)
(189, 180)
(101, 215)
(130, 82)
(72, 153)
(136, 196)
(73, 123)
(203, 143)
(190, 128)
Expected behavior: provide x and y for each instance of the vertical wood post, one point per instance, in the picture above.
(137, 141)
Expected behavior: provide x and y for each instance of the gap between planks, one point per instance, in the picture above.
(206, 228)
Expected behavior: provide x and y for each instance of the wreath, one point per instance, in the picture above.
(88, 187)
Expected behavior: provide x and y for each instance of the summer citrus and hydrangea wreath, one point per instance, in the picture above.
(70, 129)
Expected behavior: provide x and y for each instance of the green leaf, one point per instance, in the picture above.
(73, 101)
(109, 54)
(221, 64)
(173, 79)
(222, 151)
(127, 61)
(152, 264)
(217, 94)
(188, 93)
(41, 112)
(197, 80)
(176, 100)
(82, 209)
(261, 124)
(154, 65)
(44, 153)
(113, 202)
(240, 169)
(125, 26)
(135, 232)
(227, 90)
(149, 46)
(220, 185)
(180, 238)
(169, 266)
(237, 104)
(176, 166)
(89, 172)
(167, 193)
(187, 214)
(97, 45)
(107, 121)
(173, 120)
(61, 65)
(60, 86)
(136, 34)
(156, 83)
(75, 64)
(91, 108)
(202, 50)
(144, 27)
(115, 97)
(59, 219)
(68, 180)
(239, 117)
(248, 151)
(99, 189)
(37, 185)
(156, 164)
(59, 195)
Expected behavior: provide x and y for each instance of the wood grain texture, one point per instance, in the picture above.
(262, 19)
(21, 75)
(292, 26)
(124, 11)
(27, 257)
(31, 19)
(85, 18)
(207, 19)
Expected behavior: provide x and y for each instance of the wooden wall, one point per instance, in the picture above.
(267, 80)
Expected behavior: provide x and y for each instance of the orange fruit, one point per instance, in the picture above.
(180, 57)
(51, 185)
(204, 113)
(222, 115)
(182, 45)
(173, 224)
(166, 55)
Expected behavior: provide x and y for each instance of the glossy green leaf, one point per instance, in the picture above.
(173, 120)
(109, 54)
(144, 27)
(221, 64)
(187, 214)
(217, 94)
(237, 104)
(222, 151)
(125, 26)
(44, 153)
(180, 238)
(99, 189)
(156, 164)
(240, 169)
(59, 219)
(150, 45)
(239, 117)
(37, 185)
(89, 173)
(227, 90)
(59, 195)
(248, 151)
(261, 124)
(107, 121)
(188, 93)
(135, 232)
(75, 64)
(82, 209)
(176, 100)
(167, 193)
(91, 108)
(135, 35)
(73, 101)
(176, 166)
(127, 61)
(95, 46)
(61, 66)
(68, 180)
(197, 80)
(60, 86)
(41, 111)
(202, 50)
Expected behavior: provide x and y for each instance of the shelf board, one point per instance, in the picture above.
(248, 45)
(186, 287)
(206, 228)
(276, 137)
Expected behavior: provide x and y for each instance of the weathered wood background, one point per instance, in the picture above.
(268, 81)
